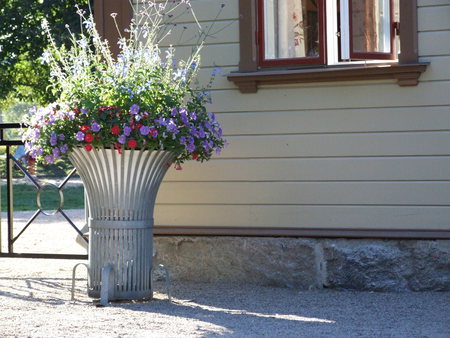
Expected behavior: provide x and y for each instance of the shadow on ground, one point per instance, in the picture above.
(202, 309)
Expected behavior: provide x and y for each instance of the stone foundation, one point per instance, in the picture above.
(359, 264)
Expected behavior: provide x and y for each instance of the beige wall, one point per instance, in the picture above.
(368, 155)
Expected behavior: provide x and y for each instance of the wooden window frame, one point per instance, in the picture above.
(373, 55)
(250, 75)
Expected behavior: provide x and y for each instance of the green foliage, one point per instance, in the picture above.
(12, 110)
(22, 43)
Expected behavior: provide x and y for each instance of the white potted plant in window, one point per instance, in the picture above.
(123, 121)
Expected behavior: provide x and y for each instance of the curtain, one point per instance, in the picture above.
(291, 28)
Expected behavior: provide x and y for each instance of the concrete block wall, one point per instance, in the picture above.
(305, 263)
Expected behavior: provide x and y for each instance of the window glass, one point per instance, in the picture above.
(291, 29)
(371, 29)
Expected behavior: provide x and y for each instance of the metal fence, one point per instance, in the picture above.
(11, 161)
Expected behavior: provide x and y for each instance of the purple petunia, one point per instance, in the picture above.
(49, 159)
(79, 136)
(134, 109)
(184, 116)
(174, 112)
(53, 139)
(84, 111)
(201, 132)
(193, 131)
(95, 127)
(51, 119)
(62, 137)
(144, 130)
(207, 125)
(161, 121)
(190, 148)
(122, 139)
(212, 116)
(64, 148)
(127, 131)
(56, 152)
(172, 127)
(35, 134)
(207, 145)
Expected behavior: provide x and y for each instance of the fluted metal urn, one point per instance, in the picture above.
(121, 190)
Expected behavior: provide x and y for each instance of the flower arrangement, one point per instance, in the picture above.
(144, 98)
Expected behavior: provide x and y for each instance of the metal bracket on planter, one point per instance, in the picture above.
(73, 278)
(167, 279)
(107, 288)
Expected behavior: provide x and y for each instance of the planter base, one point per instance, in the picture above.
(129, 252)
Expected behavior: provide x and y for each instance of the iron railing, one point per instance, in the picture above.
(11, 161)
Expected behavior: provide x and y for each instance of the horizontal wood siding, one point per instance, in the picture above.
(292, 216)
(356, 155)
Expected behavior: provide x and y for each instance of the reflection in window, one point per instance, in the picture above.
(371, 26)
(291, 29)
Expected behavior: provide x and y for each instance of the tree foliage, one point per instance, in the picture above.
(22, 41)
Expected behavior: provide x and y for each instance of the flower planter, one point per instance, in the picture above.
(145, 98)
(121, 190)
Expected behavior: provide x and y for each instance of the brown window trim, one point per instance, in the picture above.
(407, 71)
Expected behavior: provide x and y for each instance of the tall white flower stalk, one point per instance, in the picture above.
(88, 65)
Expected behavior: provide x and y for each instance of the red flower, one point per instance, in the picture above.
(88, 138)
(88, 147)
(85, 128)
(97, 137)
(115, 130)
(153, 132)
(195, 156)
(117, 146)
(76, 111)
(138, 126)
(132, 144)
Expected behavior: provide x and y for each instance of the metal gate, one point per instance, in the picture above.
(11, 161)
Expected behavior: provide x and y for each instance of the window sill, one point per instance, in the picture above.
(405, 74)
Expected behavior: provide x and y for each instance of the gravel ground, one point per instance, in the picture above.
(35, 302)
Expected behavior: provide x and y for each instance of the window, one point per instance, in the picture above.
(368, 29)
(290, 41)
(290, 32)
(302, 32)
